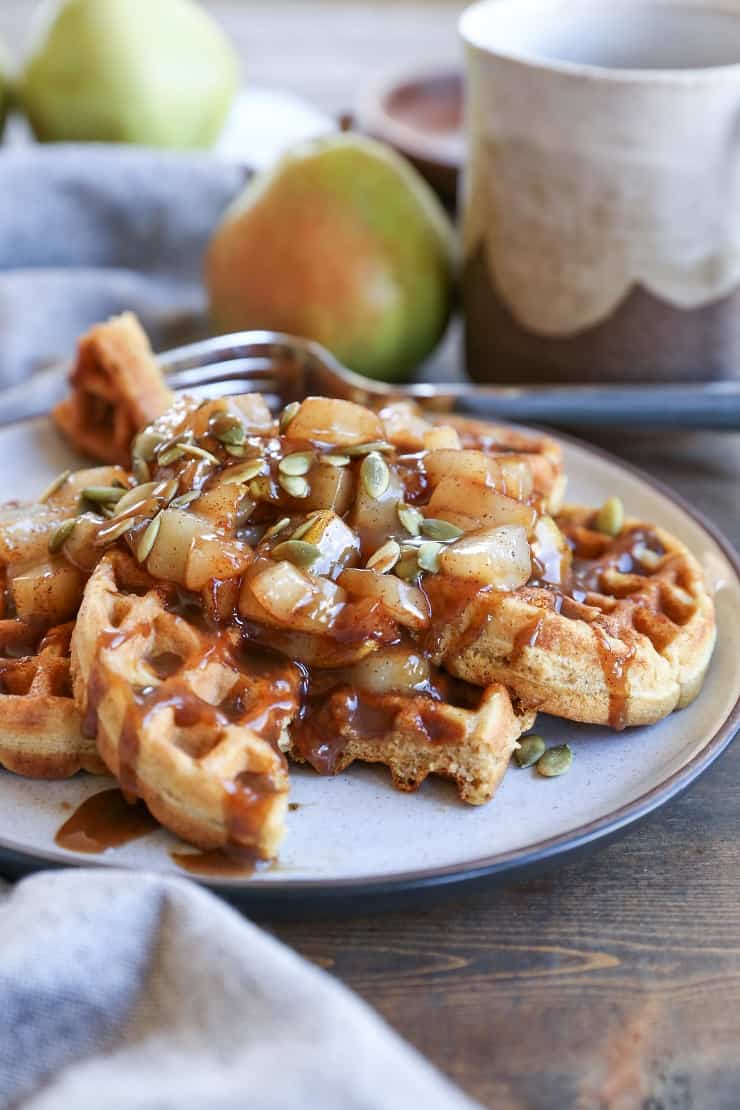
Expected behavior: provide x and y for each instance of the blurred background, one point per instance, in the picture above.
(324, 50)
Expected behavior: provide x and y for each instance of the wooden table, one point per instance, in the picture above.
(612, 982)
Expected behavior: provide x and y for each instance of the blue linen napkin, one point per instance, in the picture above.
(139, 992)
(87, 231)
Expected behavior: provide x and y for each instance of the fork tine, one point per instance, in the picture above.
(247, 370)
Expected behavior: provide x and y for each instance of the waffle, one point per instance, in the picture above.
(178, 720)
(414, 736)
(39, 723)
(117, 389)
(626, 639)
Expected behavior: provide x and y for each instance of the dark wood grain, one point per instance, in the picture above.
(610, 983)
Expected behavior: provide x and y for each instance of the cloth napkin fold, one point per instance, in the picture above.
(87, 231)
(141, 992)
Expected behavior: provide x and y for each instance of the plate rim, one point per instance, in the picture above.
(289, 891)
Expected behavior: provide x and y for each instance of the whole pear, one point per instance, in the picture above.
(154, 72)
(341, 242)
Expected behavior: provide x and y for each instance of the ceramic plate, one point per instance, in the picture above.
(355, 835)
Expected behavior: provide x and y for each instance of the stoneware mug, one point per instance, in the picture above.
(601, 195)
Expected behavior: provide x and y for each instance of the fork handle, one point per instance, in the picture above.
(712, 405)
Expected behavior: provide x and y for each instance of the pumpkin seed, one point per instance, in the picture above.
(227, 429)
(410, 518)
(115, 530)
(197, 452)
(294, 485)
(133, 496)
(185, 499)
(261, 488)
(555, 761)
(529, 751)
(385, 558)
(170, 455)
(148, 538)
(166, 490)
(303, 528)
(296, 464)
(428, 556)
(61, 534)
(103, 495)
(145, 445)
(610, 517)
(276, 528)
(298, 552)
(236, 452)
(440, 529)
(142, 471)
(238, 475)
(335, 460)
(52, 487)
(375, 475)
(357, 450)
(407, 567)
(287, 414)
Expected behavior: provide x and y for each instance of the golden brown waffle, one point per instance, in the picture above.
(117, 389)
(180, 721)
(414, 736)
(40, 733)
(624, 641)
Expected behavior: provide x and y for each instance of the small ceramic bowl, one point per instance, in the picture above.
(421, 116)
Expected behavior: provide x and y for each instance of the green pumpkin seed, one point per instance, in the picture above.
(529, 751)
(141, 470)
(61, 534)
(385, 558)
(185, 499)
(375, 475)
(298, 552)
(240, 475)
(428, 556)
(278, 527)
(103, 495)
(170, 455)
(165, 491)
(197, 452)
(357, 450)
(555, 761)
(335, 460)
(145, 445)
(260, 488)
(52, 487)
(148, 538)
(610, 517)
(410, 518)
(294, 485)
(303, 528)
(227, 429)
(407, 567)
(236, 452)
(115, 530)
(440, 529)
(296, 464)
(287, 415)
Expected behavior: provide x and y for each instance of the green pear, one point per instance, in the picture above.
(341, 242)
(5, 87)
(154, 72)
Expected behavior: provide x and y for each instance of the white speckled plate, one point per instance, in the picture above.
(355, 835)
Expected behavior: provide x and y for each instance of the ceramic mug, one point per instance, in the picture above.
(601, 196)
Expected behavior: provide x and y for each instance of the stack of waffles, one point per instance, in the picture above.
(236, 590)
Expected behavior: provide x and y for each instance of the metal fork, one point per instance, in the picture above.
(286, 368)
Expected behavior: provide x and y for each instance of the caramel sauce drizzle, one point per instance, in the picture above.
(103, 821)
